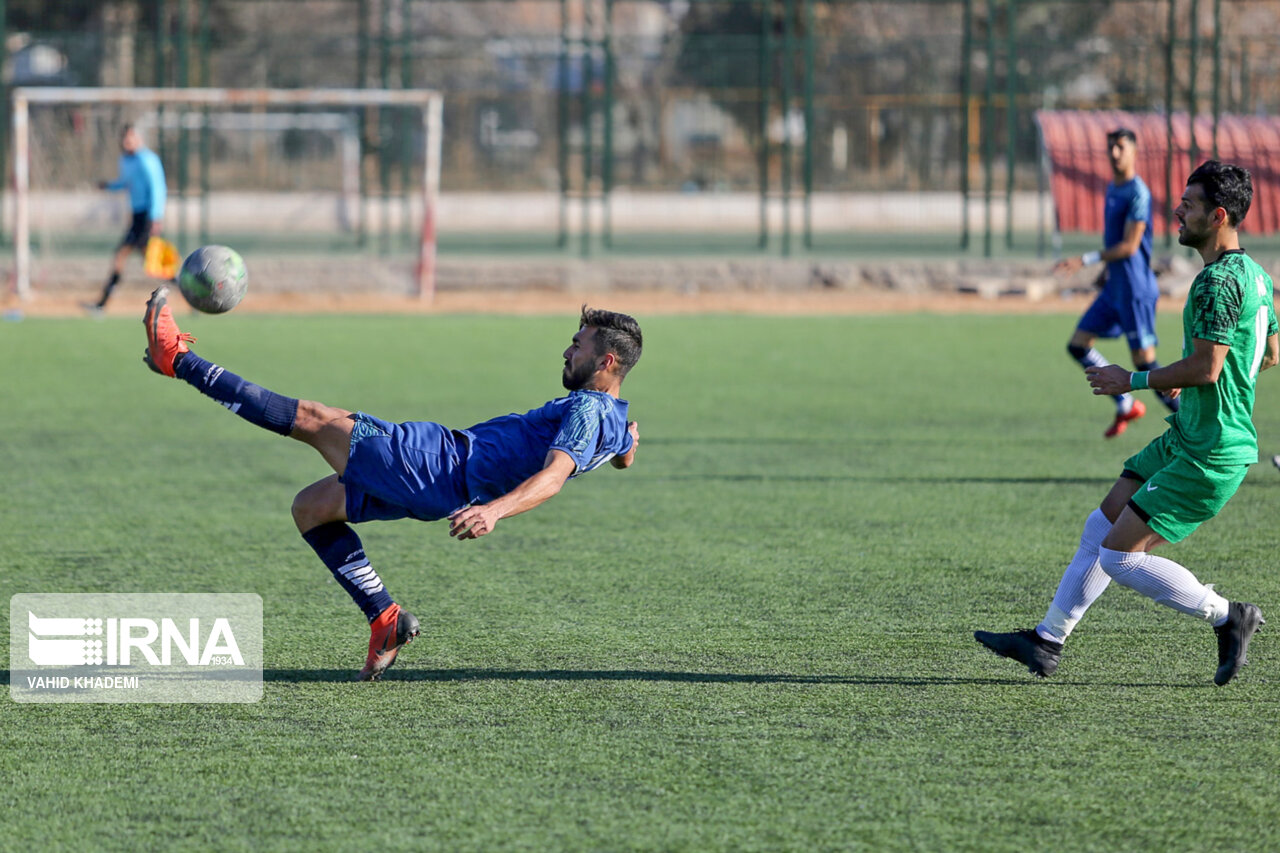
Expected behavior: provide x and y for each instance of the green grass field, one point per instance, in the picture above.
(758, 638)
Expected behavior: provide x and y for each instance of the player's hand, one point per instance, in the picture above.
(472, 522)
(1109, 380)
(1173, 393)
(1067, 266)
(627, 458)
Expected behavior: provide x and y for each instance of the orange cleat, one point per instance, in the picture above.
(1121, 423)
(392, 629)
(165, 341)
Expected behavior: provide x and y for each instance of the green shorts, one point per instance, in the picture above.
(1178, 493)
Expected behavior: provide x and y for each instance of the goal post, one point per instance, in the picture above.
(195, 106)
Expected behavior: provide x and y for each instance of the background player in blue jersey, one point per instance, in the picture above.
(1126, 304)
(142, 174)
(473, 477)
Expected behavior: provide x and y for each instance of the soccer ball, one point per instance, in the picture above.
(213, 279)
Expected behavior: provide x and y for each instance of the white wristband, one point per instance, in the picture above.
(1090, 258)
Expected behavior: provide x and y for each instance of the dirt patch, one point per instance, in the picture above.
(129, 303)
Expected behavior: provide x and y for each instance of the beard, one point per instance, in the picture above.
(577, 380)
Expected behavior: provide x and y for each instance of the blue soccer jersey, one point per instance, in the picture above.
(590, 426)
(1130, 279)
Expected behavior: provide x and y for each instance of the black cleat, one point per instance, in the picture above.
(1040, 656)
(1233, 639)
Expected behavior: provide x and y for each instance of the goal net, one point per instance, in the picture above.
(319, 189)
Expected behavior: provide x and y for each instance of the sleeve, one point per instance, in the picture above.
(1139, 205)
(156, 189)
(1217, 301)
(580, 430)
(119, 183)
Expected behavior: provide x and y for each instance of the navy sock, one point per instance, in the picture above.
(1171, 403)
(339, 548)
(254, 403)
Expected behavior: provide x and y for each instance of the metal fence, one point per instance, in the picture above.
(755, 99)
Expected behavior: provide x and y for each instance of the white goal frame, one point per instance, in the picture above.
(430, 104)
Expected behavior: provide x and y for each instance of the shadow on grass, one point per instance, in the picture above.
(410, 674)
(905, 480)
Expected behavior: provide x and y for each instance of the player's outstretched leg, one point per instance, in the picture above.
(319, 510)
(1040, 656)
(1173, 585)
(168, 354)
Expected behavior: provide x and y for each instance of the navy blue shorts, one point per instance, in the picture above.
(139, 232)
(409, 470)
(1134, 320)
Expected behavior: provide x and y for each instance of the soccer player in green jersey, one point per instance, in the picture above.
(1183, 478)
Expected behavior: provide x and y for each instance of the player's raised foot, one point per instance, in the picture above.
(1039, 655)
(392, 629)
(165, 341)
(1121, 423)
(1233, 639)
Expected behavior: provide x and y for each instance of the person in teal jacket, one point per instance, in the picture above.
(142, 174)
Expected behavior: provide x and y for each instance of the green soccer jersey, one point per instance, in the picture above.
(1230, 303)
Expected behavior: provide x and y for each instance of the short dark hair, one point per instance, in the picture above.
(615, 333)
(1227, 186)
(1122, 133)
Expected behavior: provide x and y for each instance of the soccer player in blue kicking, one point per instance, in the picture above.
(473, 477)
(1127, 304)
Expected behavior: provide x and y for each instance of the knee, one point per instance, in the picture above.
(1076, 351)
(319, 504)
(303, 511)
(1118, 564)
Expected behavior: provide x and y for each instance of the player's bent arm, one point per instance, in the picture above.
(1129, 243)
(475, 521)
(542, 486)
(1202, 367)
(627, 459)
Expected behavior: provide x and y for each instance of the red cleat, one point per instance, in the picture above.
(392, 629)
(1121, 423)
(165, 341)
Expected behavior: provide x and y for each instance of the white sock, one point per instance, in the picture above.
(1081, 584)
(1124, 403)
(1164, 582)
